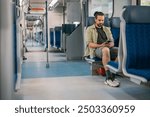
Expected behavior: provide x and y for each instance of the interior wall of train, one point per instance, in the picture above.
(58, 27)
(7, 71)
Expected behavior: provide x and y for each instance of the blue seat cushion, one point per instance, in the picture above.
(113, 64)
(97, 59)
(138, 46)
(140, 72)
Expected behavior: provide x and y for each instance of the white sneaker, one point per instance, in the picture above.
(117, 81)
(111, 83)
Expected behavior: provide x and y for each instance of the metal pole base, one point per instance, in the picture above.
(47, 65)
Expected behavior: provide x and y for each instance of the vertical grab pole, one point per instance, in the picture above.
(46, 7)
(15, 42)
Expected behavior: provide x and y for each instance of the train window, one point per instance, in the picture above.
(105, 6)
(145, 2)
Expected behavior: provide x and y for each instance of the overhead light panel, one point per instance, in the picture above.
(53, 2)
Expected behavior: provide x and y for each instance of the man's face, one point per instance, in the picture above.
(99, 21)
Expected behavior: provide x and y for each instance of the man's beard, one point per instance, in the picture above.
(99, 25)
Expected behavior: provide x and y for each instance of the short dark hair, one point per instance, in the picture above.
(98, 13)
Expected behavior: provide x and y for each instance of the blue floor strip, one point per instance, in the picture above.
(56, 69)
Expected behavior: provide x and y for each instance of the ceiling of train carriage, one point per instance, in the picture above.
(41, 3)
(36, 8)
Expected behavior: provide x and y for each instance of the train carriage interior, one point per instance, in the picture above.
(42, 46)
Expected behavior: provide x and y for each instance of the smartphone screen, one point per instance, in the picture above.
(108, 41)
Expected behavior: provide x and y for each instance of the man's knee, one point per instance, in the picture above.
(105, 50)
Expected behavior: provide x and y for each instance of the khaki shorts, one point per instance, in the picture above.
(113, 52)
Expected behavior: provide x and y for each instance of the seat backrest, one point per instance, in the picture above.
(136, 14)
(107, 22)
(58, 36)
(52, 36)
(136, 36)
(115, 29)
(91, 21)
(68, 28)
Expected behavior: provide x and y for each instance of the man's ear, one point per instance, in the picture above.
(95, 19)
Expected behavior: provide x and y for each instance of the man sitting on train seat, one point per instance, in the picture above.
(100, 43)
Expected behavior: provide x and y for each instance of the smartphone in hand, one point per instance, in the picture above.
(108, 41)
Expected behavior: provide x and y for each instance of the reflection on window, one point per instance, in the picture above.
(76, 23)
(100, 5)
(145, 2)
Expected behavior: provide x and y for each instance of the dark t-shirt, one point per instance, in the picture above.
(101, 36)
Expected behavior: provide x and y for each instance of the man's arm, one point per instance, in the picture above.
(110, 37)
(94, 45)
(110, 44)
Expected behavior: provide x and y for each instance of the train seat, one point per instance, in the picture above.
(57, 36)
(136, 37)
(115, 29)
(116, 66)
(51, 36)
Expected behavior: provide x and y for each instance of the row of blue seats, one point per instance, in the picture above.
(133, 51)
(56, 34)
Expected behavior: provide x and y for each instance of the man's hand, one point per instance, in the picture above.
(94, 45)
(109, 45)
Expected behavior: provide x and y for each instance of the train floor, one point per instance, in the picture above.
(71, 80)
